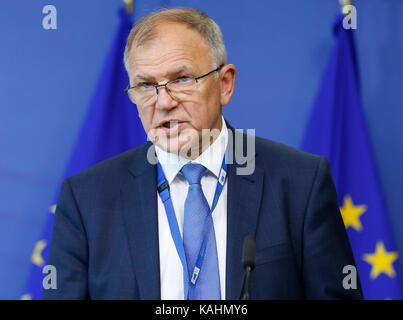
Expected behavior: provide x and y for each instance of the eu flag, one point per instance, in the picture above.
(111, 127)
(337, 131)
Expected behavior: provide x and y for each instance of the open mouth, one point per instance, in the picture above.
(170, 124)
(171, 127)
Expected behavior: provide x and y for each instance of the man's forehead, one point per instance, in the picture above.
(165, 62)
(174, 49)
(167, 30)
(170, 36)
(187, 41)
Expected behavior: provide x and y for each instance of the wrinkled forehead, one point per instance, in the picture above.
(171, 45)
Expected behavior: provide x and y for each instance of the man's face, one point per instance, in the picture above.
(177, 51)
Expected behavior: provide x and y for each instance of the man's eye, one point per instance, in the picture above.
(145, 85)
(183, 79)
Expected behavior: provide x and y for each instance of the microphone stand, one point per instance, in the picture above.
(246, 283)
(249, 262)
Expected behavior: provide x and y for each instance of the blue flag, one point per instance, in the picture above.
(111, 126)
(337, 131)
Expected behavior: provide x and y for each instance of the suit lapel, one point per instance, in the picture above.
(140, 217)
(244, 197)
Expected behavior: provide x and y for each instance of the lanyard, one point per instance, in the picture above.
(163, 189)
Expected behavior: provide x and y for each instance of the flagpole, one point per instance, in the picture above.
(129, 6)
(343, 4)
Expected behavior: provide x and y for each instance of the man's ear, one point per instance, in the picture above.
(227, 75)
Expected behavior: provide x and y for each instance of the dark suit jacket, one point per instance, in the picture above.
(105, 236)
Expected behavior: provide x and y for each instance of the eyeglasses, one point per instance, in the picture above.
(146, 93)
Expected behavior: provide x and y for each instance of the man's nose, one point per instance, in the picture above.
(165, 99)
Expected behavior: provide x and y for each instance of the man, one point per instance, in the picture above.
(140, 226)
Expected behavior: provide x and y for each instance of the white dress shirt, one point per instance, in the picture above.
(171, 270)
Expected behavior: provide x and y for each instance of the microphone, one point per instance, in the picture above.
(248, 261)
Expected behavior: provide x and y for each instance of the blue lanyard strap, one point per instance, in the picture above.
(163, 189)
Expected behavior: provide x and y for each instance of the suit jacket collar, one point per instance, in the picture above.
(140, 216)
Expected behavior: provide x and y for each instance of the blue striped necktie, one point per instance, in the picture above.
(196, 211)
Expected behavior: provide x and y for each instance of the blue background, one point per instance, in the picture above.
(47, 78)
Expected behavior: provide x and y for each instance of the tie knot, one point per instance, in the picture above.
(193, 172)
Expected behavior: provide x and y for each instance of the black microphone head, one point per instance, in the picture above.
(249, 252)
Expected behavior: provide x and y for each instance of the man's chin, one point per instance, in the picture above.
(186, 143)
(186, 149)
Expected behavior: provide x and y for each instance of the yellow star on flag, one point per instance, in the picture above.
(381, 261)
(351, 213)
(36, 257)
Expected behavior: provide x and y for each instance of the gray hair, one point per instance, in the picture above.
(145, 30)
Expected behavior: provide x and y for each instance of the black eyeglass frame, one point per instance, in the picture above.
(156, 86)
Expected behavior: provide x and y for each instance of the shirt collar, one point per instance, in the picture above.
(211, 158)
